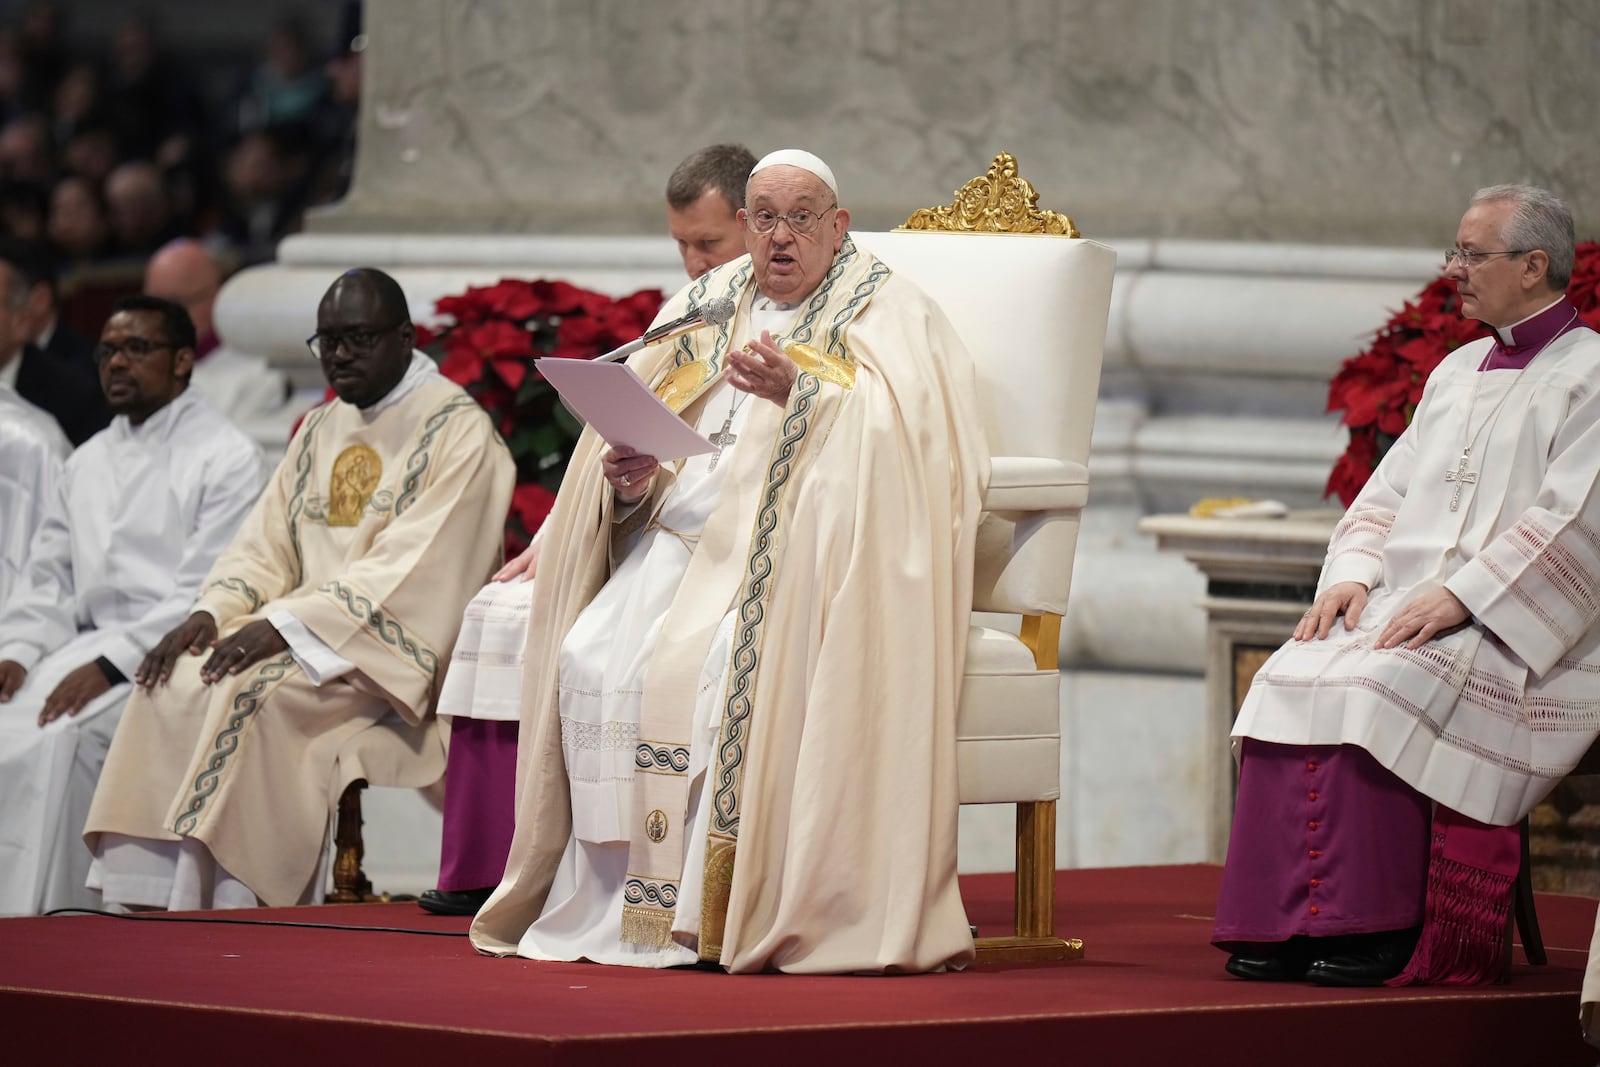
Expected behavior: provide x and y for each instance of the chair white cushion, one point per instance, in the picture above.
(1034, 483)
(1008, 728)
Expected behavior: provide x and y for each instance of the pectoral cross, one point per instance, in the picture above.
(722, 439)
(1461, 476)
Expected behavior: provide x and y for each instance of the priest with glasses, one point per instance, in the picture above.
(331, 614)
(1444, 679)
(739, 692)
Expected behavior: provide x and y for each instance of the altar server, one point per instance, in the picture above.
(142, 510)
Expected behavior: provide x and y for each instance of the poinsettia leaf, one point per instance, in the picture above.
(512, 369)
(462, 367)
(570, 424)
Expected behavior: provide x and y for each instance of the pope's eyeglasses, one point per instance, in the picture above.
(801, 222)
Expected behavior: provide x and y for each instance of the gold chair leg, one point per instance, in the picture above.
(1035, 940)
(350, 885)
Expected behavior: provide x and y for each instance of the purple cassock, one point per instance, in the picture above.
(479, 803)
(1325, 842)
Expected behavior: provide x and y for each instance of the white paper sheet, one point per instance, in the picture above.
(622, 409)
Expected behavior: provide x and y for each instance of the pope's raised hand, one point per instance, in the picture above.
(193, 635)
(760, 368)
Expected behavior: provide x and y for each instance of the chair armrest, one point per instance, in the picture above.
(1034, 483)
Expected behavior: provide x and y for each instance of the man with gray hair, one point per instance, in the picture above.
(1458, 688)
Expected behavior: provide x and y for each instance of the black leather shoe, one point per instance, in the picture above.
(453, 902)
(1265, 968)
(1372, 962)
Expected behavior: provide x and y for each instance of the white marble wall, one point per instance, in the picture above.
(1347, 121)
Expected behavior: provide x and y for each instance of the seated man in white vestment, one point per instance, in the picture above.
(33, 452)
(141, 511)
(331, 614)
(483, 688)
(739, 693)
(1459, 685)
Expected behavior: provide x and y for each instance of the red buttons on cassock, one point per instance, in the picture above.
(1315, 910)
(1311, 796)
(1314, 853)
(1311, 766)
(1312, 825)
(1315, 882)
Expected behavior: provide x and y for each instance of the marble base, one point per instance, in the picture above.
(400, 832)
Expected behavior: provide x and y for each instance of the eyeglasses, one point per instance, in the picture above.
(136, 349)
(359, 342)
(800, 222)
(1470, 259)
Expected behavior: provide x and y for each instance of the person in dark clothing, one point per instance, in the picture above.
(56, 369)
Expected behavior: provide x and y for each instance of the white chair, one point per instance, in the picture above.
(1030, 301)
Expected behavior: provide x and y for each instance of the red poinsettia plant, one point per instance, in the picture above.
(488, 345)
(1379, 389)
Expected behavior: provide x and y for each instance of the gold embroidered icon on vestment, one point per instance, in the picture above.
(355, 475)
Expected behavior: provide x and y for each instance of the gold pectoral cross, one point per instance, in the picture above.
(722, 439)
(1461, 477)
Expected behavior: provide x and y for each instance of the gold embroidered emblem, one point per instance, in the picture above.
(355, 475)
(840, 372)
(683, 384)
(655, 826)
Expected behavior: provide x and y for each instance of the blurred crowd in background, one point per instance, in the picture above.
(106, 155)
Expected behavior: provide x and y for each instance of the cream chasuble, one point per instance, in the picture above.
(1486, 719)
(137, 519)
(601, 684)
(820, 836)
(373, 534)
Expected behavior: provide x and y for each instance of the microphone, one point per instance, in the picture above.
(714, 312)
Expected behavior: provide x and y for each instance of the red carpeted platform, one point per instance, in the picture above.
(1150, 991)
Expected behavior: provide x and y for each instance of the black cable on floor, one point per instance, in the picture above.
(151, 917)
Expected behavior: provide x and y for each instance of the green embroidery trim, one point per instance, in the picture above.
(240, 587)
(245, 705)
(750, 630)
(302, 470)
(417, 462)
(383, 627)
(819, 299)
(691, 343)
(858, 299)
